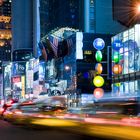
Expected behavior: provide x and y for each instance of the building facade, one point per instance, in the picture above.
(25, 29)
(26, 35)
(98, 21)
(5, 37)
(126, 63)
(22, 41)
(5, 32)
(73, 71)
(58, 14)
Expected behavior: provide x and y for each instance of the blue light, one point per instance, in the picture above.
(117, 44)
(98, 43)
(86, 75)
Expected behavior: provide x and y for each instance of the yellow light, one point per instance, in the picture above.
(98, 81)
(88, 52)
(23, 86)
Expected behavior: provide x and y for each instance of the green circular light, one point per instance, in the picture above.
(98, 56)
(98, 81)
(116, 57)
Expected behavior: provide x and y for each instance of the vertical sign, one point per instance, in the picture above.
(23, 86)
(79, 45)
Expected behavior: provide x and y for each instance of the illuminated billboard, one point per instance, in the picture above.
(129, 50)
(18, 68)
(79, 45)
(126, 55)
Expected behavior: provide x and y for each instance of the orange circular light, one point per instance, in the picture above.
(117, 69)
(99, 68)
(98, 93)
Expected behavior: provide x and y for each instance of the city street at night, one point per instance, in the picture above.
(69, 69)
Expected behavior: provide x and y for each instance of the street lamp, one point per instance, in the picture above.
(67, 68)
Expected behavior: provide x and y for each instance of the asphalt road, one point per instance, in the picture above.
(14, 132)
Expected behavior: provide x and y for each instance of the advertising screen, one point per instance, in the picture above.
(129, 50)
(7, 77)
(129, 60)
(51, 69)
(41, 71)
(18, 68)
(125, 64)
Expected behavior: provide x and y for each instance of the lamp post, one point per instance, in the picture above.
(74, 96)
(68, 68)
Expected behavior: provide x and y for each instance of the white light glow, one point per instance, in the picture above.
(138, 8)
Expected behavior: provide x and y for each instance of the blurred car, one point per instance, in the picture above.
(11, 111)
(4, 107)
(40, 97)
(7, 113)
(1, 110)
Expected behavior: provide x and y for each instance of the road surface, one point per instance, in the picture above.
(14, 132)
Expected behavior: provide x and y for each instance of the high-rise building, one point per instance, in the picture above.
(59, 13)
(92, 16)
(25, 26)
(98, 17)
(5, 7)
(22, 29)
(25, 38)
(5, 31)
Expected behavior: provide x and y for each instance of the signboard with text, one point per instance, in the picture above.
(18, 68)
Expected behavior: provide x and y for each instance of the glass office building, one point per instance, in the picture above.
(126, 62)
(52, 14)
